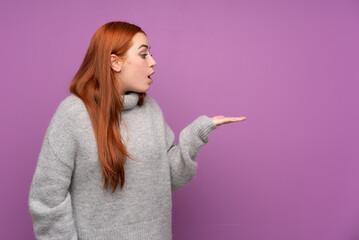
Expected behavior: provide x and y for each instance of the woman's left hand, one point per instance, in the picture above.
(219, 120)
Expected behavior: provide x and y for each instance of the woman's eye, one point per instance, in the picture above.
(144, 55)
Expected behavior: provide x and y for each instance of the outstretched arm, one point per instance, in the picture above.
(182, 157)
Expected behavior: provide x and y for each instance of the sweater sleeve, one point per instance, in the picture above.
(182, 157)
(49, 198)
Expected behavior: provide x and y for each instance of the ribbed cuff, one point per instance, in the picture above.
(203, 125)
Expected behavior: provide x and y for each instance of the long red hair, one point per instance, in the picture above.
(96, 85)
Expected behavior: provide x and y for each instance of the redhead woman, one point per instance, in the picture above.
(108, 162)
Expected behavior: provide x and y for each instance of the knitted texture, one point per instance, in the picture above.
(67, 199)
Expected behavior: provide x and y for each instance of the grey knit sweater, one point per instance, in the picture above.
(67, 199)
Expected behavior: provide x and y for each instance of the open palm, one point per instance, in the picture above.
(221, 119)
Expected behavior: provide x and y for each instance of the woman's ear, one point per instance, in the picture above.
(116, 63)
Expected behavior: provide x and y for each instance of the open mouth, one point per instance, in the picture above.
(149, 76)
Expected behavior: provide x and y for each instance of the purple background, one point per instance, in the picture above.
(290, 171)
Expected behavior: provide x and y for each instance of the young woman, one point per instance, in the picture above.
(109, 133)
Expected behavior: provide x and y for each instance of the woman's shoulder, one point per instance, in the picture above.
(61, 124)
(69, 110)
(71, 106)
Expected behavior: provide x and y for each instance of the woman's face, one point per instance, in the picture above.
(137, 66)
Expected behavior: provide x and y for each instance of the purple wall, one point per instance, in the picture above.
(290, 171)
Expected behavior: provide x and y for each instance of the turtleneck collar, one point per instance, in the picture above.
(130, 100)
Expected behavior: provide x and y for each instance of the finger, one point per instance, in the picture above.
(241, 118)
(237, 118)
(234, 119)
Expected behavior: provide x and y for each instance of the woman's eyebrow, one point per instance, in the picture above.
(143, 45)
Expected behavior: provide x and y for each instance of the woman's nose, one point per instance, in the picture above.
(153, 63)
